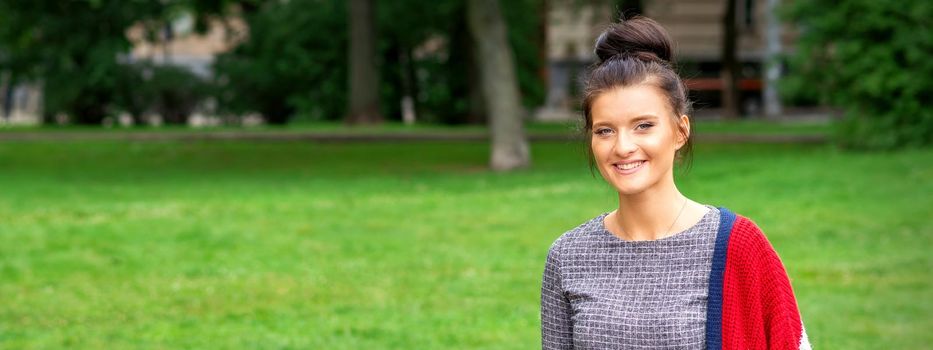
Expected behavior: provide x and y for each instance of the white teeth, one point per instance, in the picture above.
(631, 165)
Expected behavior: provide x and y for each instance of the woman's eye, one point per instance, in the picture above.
(644, 126)
(603, 131)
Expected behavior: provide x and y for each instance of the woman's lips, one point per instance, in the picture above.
(629, 168)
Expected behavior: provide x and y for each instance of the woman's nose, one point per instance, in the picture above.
(625, 145)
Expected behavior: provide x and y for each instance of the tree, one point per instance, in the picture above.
(509, 145)
(731, 67)
(872, 59)
(364, 75)
(409, 72)
(77, 50)
(771, 97)
(462, 55)
(292, 63)
(69, 49)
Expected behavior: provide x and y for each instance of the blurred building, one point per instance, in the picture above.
(20, 104)
(696, 27)
(180, 45)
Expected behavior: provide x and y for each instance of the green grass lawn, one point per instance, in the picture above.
(290, 245)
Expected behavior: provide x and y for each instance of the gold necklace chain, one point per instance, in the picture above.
(678, 217)
(669, 228)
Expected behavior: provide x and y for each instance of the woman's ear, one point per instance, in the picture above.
(683, 131)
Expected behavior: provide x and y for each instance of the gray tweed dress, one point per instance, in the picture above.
(603, 292)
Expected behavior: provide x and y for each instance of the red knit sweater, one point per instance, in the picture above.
(751, 302)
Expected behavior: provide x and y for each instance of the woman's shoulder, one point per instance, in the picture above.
(743, 225)
(744, 234)
(586, 229)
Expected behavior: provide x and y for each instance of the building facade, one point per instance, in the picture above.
(695, 26)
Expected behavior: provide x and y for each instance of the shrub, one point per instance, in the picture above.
(175, 92)
(872, 59)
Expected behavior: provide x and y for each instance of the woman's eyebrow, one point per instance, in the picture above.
(644, 117)
(633, 120)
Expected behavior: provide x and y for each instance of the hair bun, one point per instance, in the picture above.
(638, 37)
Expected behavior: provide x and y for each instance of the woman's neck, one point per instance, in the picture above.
(648, 215)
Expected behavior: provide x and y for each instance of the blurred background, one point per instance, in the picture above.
(389, 174)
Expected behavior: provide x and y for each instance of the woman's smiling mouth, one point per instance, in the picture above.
(630, 167)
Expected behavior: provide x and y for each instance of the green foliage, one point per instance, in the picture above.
(871, 58)
(136, 98)
(525, 34)
(404, 29)
(77, 50)
(174, 91)
(171, 91)
(295, 63)
(70, 48)
(294, 60)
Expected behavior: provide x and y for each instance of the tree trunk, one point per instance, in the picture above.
(477, 111)
(463, 60)
(730, 64)
(409, 86)
(6, 94)
(509, 148)
(772, 99)
(364, 76)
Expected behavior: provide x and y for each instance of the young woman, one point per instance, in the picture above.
(661, 271)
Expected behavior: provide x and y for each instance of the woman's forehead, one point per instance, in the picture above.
(630, 103)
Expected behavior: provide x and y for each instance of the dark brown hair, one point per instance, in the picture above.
(632, 52)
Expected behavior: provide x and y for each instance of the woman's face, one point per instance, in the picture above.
(634, 138)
